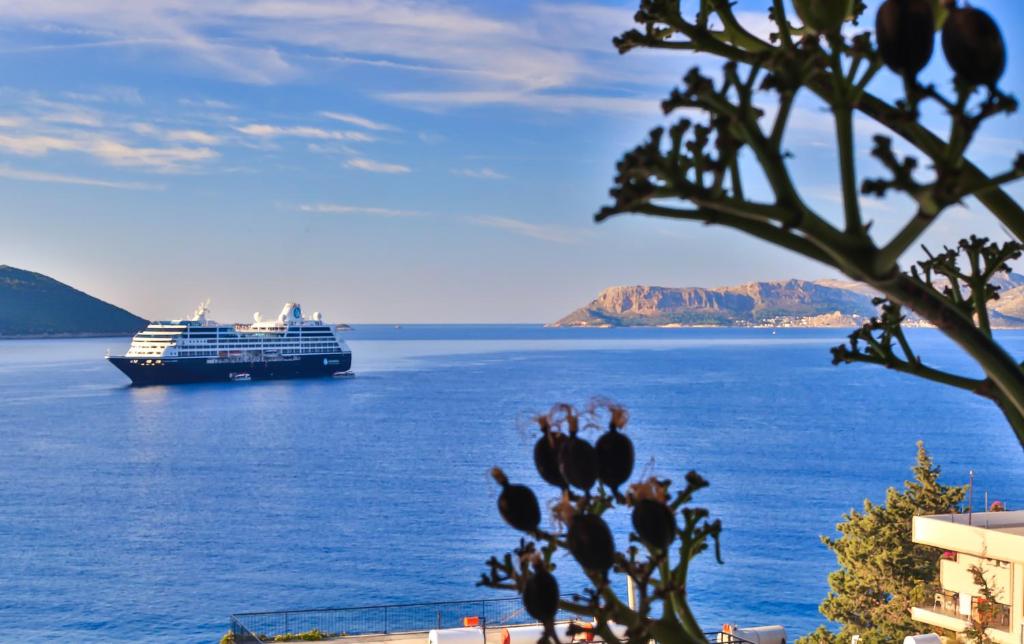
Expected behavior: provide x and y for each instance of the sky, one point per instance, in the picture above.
(377, 160)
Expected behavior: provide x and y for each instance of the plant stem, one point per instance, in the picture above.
(847, 169)
(1006, 210)
(994, 360)
(916, 369)
(889, 254)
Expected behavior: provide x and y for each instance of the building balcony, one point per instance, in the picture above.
(943, 609)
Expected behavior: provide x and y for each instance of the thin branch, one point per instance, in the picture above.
(848, 171)
(767, 232)
(972, 385)
(1000, 204)
(904, 239)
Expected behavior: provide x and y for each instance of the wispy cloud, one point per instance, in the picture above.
(440, 100)
(107, 149)
(550, 55)
(359, 121)
(193, 136)
(519, 227)
(376, 166)
(8, 172)
(342, 209)
(79, 117)
(145, 129)
(112, 94)
(431, 138)
(207, 103)
(332, 147)
(183, 136)
(166, 158)
(39, 126)
(481, 173)
(263, 130)
(258, 42)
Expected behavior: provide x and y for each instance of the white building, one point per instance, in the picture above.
(991, 541)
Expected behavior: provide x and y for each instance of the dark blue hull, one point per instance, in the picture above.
(184, 370)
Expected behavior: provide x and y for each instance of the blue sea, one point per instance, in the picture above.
(152, 514)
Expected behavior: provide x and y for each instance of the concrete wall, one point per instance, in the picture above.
(956, 576)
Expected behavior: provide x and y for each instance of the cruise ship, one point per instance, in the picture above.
(201, 350)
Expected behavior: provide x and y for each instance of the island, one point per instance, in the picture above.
(34, 305)
(787, 303)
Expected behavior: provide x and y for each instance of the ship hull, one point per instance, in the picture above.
(143, 372)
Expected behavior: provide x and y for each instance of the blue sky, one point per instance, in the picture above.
(410, 161)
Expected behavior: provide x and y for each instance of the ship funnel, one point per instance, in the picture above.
(291, 313)
(199, 315)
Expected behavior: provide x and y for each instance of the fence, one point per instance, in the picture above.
(380, 620)
(325, 623)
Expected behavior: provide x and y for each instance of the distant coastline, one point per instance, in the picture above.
(677, 325)
(35, 306)
(782, 304)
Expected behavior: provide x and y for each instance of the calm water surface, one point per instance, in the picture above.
(152, 514)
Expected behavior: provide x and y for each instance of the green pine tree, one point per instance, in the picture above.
(882, 572)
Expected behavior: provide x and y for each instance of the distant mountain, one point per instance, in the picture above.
(32, 304)
(825, 303)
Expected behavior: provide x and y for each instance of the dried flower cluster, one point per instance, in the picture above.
(586, 478)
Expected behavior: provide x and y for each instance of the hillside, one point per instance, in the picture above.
(32, 304)
(786, 303)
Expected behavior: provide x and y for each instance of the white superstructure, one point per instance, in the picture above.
(289, 335)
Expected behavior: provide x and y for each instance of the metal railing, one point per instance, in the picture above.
(720, 637)
(331, 623)
(947, 602)
(255, 628)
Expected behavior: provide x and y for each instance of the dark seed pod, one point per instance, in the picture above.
(540, 595)
(591, 542)
(545, 457)
(517, 504)
(905, 30)
(823, 16)
(614, 457)
(973, 46)
(654, 522)
(577, 461)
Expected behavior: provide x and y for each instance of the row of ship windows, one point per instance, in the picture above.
(259, 340)
(247, 344)
(259, 345)
(233, 338)
(210, 353)
(280, 329)
(213, 354)
(290, 342)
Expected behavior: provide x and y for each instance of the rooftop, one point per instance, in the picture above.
(997, 535)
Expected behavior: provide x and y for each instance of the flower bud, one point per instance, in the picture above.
(577, 460)
(591, 542)
(823, 16)
(545, 457)
(654, 522)
(973, 46)
(540, 595)
(615, 458)
(905, 30)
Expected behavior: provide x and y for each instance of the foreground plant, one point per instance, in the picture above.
(696, 169)
(667, 534)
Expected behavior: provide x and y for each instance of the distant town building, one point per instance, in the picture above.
(990, 541)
